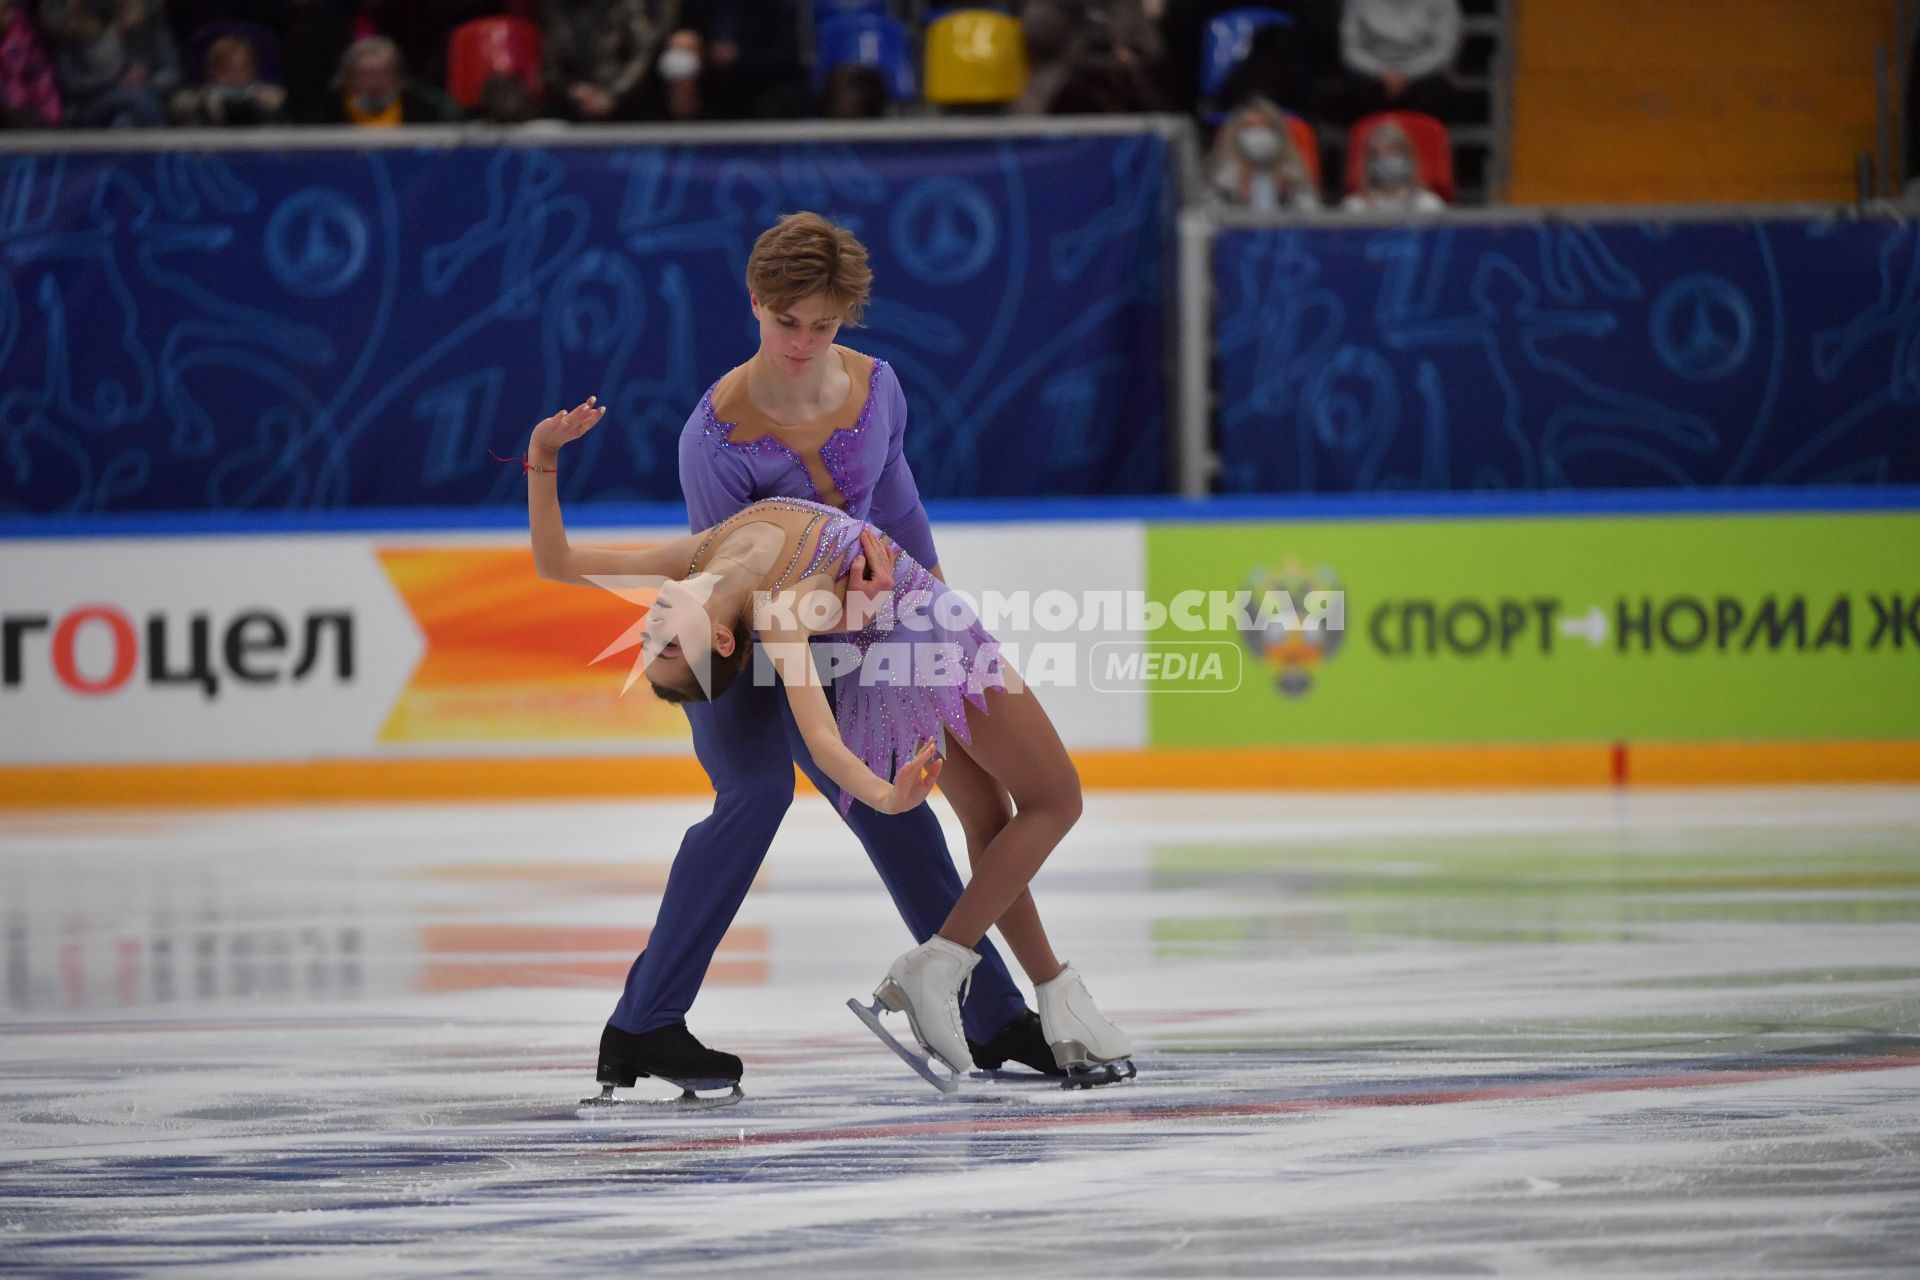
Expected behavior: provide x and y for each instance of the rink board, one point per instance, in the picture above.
(1540, 649)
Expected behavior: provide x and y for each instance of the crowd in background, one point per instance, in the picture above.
(381, 63)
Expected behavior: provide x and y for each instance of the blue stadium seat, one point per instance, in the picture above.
(868, 40)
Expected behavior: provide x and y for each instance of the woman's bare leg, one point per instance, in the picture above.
(1015, 744)
(984, 810)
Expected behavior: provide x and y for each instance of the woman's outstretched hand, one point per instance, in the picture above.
(566, 426)
(914, 782)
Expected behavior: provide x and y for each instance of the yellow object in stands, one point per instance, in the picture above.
(975, 56)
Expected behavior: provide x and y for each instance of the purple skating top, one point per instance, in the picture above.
(731, 454)
(924, 659)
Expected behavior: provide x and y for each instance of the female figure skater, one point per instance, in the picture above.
(918, 665)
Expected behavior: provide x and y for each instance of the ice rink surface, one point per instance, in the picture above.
(1643, 1034)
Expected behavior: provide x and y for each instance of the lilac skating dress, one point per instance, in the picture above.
(920, 661)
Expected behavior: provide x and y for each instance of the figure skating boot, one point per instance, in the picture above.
(926, 984)
(667, 1053)
(1089, 1047)
(1022, 1040)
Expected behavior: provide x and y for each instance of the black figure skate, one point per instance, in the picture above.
(668, 1053)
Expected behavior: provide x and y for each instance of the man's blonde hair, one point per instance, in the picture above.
(804, 254)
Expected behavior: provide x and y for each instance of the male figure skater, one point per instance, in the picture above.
(810, 419)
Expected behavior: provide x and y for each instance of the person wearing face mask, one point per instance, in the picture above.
(1254, 162)
(373, 91)
(750, 52)
(676, 87)
(1392, 176)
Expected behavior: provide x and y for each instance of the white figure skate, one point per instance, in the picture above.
(926, 984)
(1089, 1048)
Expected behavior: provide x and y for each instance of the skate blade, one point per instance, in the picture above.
(1023, 1076)
(1091, 1075)
(922, 1063)
(687, 1101)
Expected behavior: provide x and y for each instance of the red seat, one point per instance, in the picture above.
(1432, 147)
(488, 47)
(1308, 144)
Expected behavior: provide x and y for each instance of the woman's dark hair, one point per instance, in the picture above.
(721, 671)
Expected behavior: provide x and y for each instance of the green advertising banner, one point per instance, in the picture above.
(1764, 627)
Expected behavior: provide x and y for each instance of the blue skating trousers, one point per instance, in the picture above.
(748, 743)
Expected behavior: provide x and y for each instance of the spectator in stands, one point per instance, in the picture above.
(1051, 46)
(29, 98)
(1397, 55)
(1104, 81)
(506, 99)
(1130, 28)
(114, 59)
(1391, 178)
(372, 89)
(230, 91)
(750, 51)
(596, 52)
(1088, 58)
(677, 87)
(853, 92)
(1254, 162)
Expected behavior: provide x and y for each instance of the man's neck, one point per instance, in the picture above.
(791, 397)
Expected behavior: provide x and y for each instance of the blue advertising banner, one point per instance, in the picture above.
(292, 330)
(1568, 355)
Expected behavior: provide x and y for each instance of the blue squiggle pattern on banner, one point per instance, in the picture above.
(326, 330)
(1564, 355)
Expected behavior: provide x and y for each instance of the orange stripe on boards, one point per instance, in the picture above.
(510, 778)
(1171, 769)
(1342, 768)
(1700, 764)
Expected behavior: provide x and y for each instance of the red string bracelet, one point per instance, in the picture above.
(526, 463)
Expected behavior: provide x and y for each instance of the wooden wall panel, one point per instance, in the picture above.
(1693, 100)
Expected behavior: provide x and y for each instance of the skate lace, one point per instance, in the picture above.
(959, 1026)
